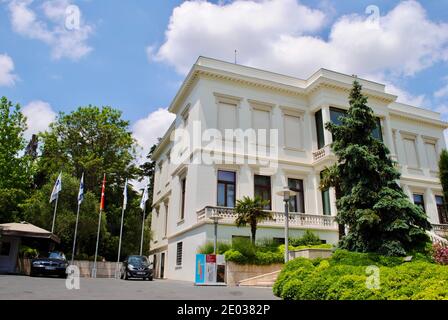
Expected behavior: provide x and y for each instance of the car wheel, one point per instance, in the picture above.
(150, 278)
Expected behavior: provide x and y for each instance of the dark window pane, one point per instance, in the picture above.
(179, 254)
(221, 195)
(418, 200)
(377, 132)
(297, 203)
(262, 188)
(5, 248)
(336, 115)
(231, 195)
(441, 210)
(226, 176)
(326, 202)
(320, 130)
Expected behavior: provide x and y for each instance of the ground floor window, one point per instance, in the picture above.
(226, 188)
(441, 209)
(5, 248)
(179, 253)
(419, 201)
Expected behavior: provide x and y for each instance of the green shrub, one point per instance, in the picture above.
(308, 239)
(208, 248)
(343, 277)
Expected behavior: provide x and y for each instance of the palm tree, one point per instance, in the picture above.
(251, 212)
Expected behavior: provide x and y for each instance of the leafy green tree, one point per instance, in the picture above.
(379, 215)
(443, 172)
(251, 212)
(14, 171)
(92, 141)
(148, 170)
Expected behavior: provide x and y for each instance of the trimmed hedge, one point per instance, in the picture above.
(344, 276)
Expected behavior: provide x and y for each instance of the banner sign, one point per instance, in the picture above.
(210, 269)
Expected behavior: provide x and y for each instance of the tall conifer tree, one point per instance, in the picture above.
(379, 216)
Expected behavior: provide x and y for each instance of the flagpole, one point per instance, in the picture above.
(76, 231)
(54, 213)
(119, 244)
(143, 230)
(99, 226)
(96, 248)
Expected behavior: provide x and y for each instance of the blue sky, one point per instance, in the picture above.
(134, 54)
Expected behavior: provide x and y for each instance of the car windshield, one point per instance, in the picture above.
(56, 255)
(138, 260)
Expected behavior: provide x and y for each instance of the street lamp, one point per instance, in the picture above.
(286, 193)
(215, 218)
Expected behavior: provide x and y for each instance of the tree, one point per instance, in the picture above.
(92, 141)
(148, 170)
(443, 172)
(251, 212)
(379, 215)
(14, 171)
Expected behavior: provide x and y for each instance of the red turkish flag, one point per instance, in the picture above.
(102, 193)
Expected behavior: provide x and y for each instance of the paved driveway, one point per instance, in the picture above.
(23, 287)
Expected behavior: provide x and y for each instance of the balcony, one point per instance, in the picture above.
(322, 153)
(296, 220)
(440, 229)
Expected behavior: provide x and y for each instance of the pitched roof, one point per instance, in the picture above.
(25, 229)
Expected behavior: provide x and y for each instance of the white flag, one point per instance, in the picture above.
(57, 188)
(81, 190)
(144, 198)
(125, 195)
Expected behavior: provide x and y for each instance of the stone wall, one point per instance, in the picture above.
(104, 269)
(311, 253)
(238, 272)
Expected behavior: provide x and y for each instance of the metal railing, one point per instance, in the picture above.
(228, 216)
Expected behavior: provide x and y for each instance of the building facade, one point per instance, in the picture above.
(241, 131)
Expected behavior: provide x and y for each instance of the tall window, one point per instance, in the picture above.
(377, 133)
(227, 117)
(179, 253)
(166, 219)
(297, 202)
(419, 201)
(320, 130)
(326, 205)
(226, 188)
(262, 188)
(183, 183)
(441, 209)
(337, 114)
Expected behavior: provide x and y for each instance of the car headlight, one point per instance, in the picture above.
(35, 263)
(130, 266)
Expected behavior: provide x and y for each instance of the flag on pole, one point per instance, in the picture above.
(125, 195)
(57, 188)
(103, 189)
(81, 190)
(144, 198)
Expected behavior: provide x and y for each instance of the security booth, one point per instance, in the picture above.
(15, 235)
(210, 270)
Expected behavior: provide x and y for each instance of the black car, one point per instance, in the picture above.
(55, 264)
(136, 267)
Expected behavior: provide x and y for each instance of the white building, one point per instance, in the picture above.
(220, 95)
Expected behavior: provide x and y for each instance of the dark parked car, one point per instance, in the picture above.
(55, 264)
(136, 267)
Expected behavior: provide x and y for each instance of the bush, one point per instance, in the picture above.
(208, 248)
(308, 239)
(440, 254)
(343, 277)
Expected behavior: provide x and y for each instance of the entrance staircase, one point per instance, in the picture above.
(438, 239)
(264, 280)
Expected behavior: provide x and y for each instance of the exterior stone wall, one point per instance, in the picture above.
(238, 272)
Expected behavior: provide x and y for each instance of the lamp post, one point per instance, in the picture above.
(286, 193)
(215, 218)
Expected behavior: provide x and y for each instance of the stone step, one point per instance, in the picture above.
(265, 280)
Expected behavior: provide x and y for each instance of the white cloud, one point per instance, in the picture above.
(50, 27)
(7, 77)
(147, 130)
(278, 35)
(251, 27)
(442, 92)
(39, 115)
